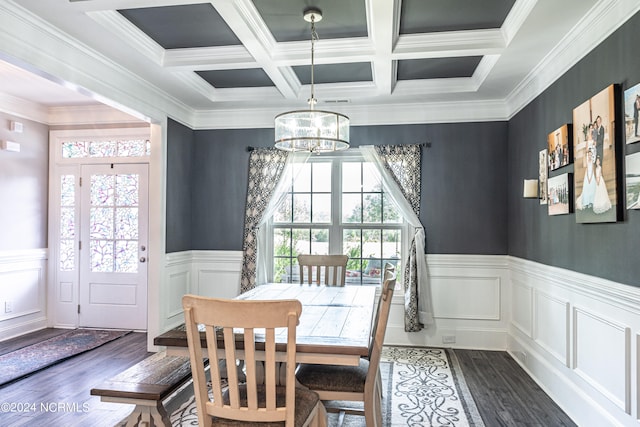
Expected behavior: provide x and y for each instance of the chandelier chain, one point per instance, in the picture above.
(314, 38)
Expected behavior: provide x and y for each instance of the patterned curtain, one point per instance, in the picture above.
(401, 165)
(266, 166)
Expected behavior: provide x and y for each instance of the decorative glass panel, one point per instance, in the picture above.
(67, 223)
(101, 223)
(126, 257)
(102, 149)
(67, 190)
(102, 190)
(74, 149)
(113, 148)
(67, 255)
(127, 223)
(133, 148)
(127, 190)
(101, 256)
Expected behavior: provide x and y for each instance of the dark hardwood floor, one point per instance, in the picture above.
(503, 392)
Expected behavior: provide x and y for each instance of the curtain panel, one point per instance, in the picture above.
(400, 168)
(266, 167)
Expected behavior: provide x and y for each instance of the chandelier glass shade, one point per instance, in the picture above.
(315, 131)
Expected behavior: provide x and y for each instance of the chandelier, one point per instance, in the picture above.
(315, 131)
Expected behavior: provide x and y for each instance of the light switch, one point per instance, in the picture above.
(10, 146)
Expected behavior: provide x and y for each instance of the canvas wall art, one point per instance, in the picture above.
(594, 150)
(631, 114)
(542, 176)
(559, 197)
(632, 172)
(558, 144)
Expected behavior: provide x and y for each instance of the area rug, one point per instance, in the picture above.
(32, 358)
(423, 387)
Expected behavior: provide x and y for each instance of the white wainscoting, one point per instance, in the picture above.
(208, 273)
(469, 304)
(578, 337)
(23, 277)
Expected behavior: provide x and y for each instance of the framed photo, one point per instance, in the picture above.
(631, 113)
(559, 197)
(542, 176)
(558, 143)
(632, 168)
(594, 150)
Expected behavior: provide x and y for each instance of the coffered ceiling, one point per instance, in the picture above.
(372, 55)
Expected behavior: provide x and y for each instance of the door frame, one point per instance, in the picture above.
(63, 287)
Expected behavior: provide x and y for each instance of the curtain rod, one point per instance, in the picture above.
(422, 144)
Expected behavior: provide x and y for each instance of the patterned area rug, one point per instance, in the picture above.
(32, 358)
(423, 387)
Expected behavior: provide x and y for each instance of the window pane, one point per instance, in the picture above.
(101, 256)
(67, 190)
(127, 223)
(302, 181)
(127, 190)
(301, 242)
(370, 179)
(321, 208)
(351, 177)
(372, 209)
(67, 255)
(67, 223)
(102, 149)
(322, 177)
(74, 149)
(351, 208)
(101, 223)
(284, 211)
(126, 257)
(102, 187)
(320, 241)
(371, 240)
(282, 242)
(392, 245)
(391, 214)
(302, 208)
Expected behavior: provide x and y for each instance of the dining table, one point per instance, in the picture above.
(334, 326)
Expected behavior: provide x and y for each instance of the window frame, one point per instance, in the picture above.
(335, 228)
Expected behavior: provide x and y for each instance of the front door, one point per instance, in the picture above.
(113, 246)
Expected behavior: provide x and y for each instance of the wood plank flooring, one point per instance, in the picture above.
(504, 393)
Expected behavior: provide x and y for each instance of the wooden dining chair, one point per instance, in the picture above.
(360, 383)
(323, 269)
(231, 327)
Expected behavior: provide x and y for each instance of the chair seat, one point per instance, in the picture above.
(333, 377)
(306, 401)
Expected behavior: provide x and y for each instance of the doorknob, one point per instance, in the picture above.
(142, 259)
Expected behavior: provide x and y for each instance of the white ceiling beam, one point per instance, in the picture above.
(448, 44)
(245, 21)
(383, 18)
(209, 58)
(516, 17)
(327, 51)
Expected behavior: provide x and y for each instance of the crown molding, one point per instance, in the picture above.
(516, 17)
(601, 21)
(88, 115)
(23, 108)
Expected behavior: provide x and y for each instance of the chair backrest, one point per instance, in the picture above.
(231, 327)
(380, 322)
(323, 269)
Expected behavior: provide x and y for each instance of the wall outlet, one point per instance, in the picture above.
(448, 339)
(8, 306)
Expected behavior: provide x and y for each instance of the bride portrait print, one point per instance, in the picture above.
(595, 158)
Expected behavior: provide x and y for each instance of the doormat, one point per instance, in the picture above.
(32, 358)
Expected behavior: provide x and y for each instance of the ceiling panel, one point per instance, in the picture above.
(422, 16)
(341, 18)
(224, 79)
(196, 25)
(335, 73)
(437, 68)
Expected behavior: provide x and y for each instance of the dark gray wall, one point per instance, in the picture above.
(603, 250)
(179, 187)
(24, 190)
(463, 183)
